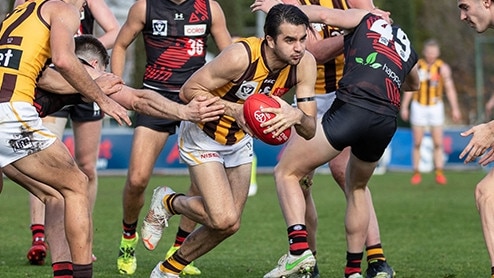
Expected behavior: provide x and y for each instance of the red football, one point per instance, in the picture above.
(254, 118)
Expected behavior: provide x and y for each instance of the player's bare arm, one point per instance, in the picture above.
(412, 80)
(52, 81)
(229, 65)
(63, 24)
(127, 34)
(219, 31)
(106, 19)
(450, 90)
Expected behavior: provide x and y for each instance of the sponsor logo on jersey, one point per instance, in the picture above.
(195, 30)
(10, 58)
(246, 89)
(160, 27)
(280, 91)
(179, 16)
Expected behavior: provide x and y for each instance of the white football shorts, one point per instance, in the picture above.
(21, 132)
(427, 115)
(195, 147)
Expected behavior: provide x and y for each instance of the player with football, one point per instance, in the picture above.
(219, 153)
(378, 60)
(327, 47)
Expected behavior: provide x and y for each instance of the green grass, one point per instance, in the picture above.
(426, 230)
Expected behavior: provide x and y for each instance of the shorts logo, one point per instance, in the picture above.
(24, 142)
(209, 155)
(10, 58)
(195, 30)
(246, 89)
(160, 27)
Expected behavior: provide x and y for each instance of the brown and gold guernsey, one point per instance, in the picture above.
(22, 62)
(330, 73)
(258, 78)
(431, 83)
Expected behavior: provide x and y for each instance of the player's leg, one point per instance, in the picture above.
(147, 145)
(357, 211)
(438, 153)
(375, 254)
(417, 136)
(54, 224)
(484, 193)
(218, 209)
(293, 165)
(86, 125)
(419, 120)
(185, 228)
(436, 124)
(37, 252)
(87, 135)
(311, 224)
(56, 167)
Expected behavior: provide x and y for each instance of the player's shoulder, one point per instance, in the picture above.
(60, 9)
(308, 60)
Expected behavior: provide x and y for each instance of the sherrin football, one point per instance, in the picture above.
(254, 118)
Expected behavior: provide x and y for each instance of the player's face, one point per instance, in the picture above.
(431, 53)
(476, 13)
(289, 45)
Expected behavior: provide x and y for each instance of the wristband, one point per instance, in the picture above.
(305, 99)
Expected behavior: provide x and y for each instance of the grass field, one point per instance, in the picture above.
(426, 230)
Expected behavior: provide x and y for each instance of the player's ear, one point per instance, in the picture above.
(270, 41)
(487, 3)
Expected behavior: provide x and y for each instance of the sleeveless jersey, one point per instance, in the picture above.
(87, 22)
(24, 51)
(175, 38)
(330, 73)
(378, 58)
(257, 79)
(431, 83)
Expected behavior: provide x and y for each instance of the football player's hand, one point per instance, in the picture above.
(482, 140)
(202, 109)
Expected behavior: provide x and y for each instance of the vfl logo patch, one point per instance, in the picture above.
(10, 58)
(246, 89)
(160, 27)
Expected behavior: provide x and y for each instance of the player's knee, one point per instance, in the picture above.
(483, 194)
(137, 183)
(228, 223)
(89, 170)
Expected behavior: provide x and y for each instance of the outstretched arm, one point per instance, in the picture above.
(199, 109)
(344, 19)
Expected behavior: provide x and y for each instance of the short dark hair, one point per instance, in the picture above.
(89, 47)
(283, 13)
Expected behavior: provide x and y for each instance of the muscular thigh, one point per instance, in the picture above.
(223, 190)
(147, 145)
(53, 166)
(87, 137)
